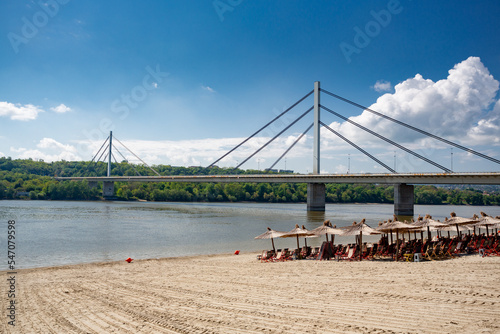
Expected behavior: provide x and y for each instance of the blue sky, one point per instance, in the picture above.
(179, 82)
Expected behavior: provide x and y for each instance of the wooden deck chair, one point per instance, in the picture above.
(266, 256)
(314, 254)
(350, 255)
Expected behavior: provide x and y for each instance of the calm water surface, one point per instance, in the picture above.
(50, 233)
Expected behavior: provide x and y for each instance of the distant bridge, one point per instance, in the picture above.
(407, 178)
(403, 182)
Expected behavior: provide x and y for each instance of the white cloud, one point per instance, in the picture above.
(19, 112)
(48, 149)
(61, 109)
(207, 88)
(205, 151)
(457, 108)
(382, 86)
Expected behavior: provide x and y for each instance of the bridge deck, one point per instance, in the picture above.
(408, 178)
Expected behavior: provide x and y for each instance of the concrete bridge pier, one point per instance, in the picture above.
(108, 189)
(316, 197)
(404, 199)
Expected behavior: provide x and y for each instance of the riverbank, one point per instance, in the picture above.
(238, 294)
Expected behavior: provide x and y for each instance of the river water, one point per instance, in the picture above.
(51, 233)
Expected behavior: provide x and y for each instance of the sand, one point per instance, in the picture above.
(238, 294)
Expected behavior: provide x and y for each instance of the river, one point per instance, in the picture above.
(51, 233)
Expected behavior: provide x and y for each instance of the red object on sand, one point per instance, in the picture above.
(237, 252)
(129, 260)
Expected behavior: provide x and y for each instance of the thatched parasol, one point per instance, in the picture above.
(309, 236)
(326, 229)
(486, 221)
(397, 226)
(359, 229)
(270, 234)
(426, 223)
(456, 221)
(297, 232)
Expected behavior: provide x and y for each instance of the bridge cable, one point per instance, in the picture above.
(279, 134)
(358, 148)
(262, 128)
(114, 157)
(387, 140)
(92, 166)
(137, 157)
(104, 151)
(446, 141)
(100, 149)
(288, 150)
(125, 159)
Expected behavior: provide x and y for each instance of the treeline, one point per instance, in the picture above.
(29, 179)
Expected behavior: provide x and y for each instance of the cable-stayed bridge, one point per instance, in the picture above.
(403, 182)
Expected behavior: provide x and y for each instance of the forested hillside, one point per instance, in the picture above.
(29, 179)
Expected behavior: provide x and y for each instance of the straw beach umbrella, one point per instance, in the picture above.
(397, 226)
(326, 229)
(455, 221)
(360, 229)
(270, 234)
(452, 228)
(297, 232)
(486, 221)
(428, 223)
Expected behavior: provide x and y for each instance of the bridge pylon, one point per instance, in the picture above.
(316, 196)
(404, 199)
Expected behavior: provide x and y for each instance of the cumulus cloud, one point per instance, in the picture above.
(19, 112)
(458, 108)
(61, 109)
(47, 149)
(382, 86)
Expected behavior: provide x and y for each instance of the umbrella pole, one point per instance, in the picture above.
(487, 233)
(326, 237)
(360, 245)
(448, 234)
(429, 236)
(333, 239)
(298, 242)
(391, 238)
(397, 245)
(274, 249)
(458, 231)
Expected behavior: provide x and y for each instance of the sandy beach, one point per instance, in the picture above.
(238, 294)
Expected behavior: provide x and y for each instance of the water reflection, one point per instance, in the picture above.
(316, 217)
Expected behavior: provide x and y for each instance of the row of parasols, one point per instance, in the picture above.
(388, 227)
